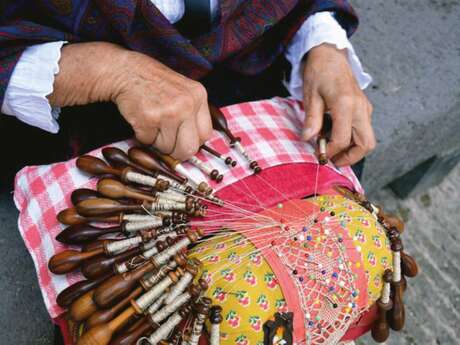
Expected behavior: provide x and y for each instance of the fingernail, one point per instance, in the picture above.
(307, 133)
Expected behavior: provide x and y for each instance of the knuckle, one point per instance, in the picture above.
(198, 91)
(347, 101)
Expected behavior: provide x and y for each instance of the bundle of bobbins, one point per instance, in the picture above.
(141, 286)
(391, 310)
(139, 279)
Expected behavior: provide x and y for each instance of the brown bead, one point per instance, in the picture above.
(396, 245)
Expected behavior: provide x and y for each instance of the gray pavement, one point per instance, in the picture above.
(413, 51)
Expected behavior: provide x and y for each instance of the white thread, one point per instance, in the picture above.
(155, 278)
(139, 217)
(215, 334)
(136, 226)
(172, 196)
(386, 293)
(164, 256)
(322, 146)
(175, 184)
(396, 266)
(165, 329)
(167, 206)
(151, 252)
(243, 152)
(181, 170)
(181, 285)
(170, 308)
(156, 305)
(201, 165)
(141, 179)
(197, 328)
(150, 296)
(121, 246)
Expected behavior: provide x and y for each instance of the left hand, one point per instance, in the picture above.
(329, 85)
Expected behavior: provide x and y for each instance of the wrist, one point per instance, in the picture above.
(88, 72)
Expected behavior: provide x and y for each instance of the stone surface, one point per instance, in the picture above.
(412, 50)
(432, 237)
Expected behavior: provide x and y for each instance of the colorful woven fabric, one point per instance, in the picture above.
(270, 130)
(325, 265)
(249, 36)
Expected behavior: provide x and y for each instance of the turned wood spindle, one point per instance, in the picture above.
(98, 266)
(397, 313)
(322, 153)
(201, 310)
(119, 159)
(166, 328)
(146, 159)
(220, 123)
(84, 233)
(215, 317)
(78, 195)
(101, 334)
(409, 265)
(380, 329)
(205, 168)
(227, 160)
(114, 189)
(70, 294)
(176, 165)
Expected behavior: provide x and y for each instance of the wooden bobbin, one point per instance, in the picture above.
(227, 160)
(215, 317)
(119, 159)
(322, 153)
(212, 173)
(396, 316)
(201, 310)
(380, 329)
(166, 328)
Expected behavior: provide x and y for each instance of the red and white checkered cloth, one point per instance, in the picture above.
(269, 129)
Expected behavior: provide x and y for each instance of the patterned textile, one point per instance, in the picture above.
(248, 37)
(270, 130)
(327, 272)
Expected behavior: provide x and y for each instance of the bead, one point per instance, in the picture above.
(280, 205)
(309, 238)
(294, 272)
(322, 209)
(332, 213)
(340, 267)
(310, 323)
(335, 275)
(340, 239)
(323, 272)
(317, 318)
(315, 220)
(334, 305)
(331, 288)
(304, 229)
(301, 279)
(341, 283)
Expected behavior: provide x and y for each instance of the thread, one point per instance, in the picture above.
(165, 329)
(136, 226)
(117, 247)
(171, 307)
(181, 285)
(149, 297)
(141, 179)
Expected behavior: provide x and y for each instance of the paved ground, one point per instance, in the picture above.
(407, 45)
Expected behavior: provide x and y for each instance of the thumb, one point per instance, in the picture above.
(314, 112)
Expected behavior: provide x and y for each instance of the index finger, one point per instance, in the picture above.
(341, 130)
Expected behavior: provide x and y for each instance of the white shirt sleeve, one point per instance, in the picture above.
(318, 29)
(31, 81)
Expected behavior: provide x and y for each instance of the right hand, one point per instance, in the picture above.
(164, 108)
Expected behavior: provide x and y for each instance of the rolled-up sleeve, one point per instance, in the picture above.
(318, 29)
(30, 83)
